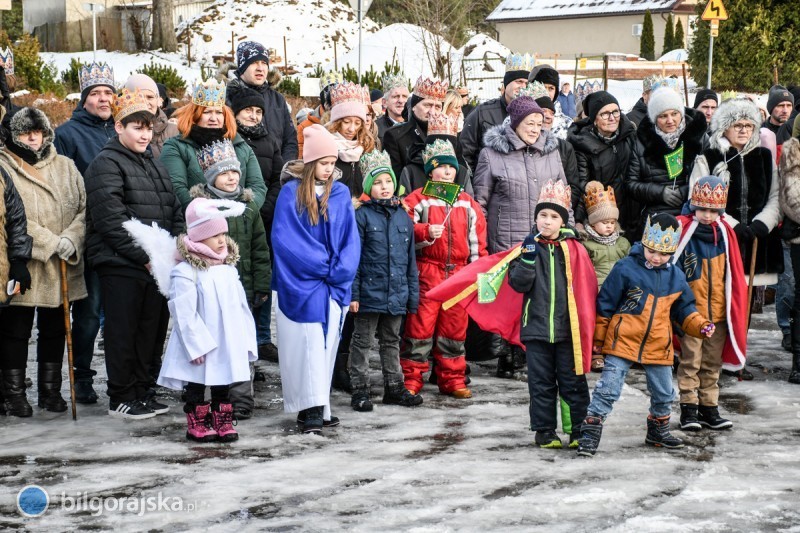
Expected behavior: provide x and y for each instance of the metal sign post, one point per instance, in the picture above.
(714, 12)
(360, 7)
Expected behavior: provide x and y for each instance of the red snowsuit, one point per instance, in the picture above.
(463, 241)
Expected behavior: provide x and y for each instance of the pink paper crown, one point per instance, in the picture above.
(349, 92)
(555, 192)
(441, 124)
(427, 88)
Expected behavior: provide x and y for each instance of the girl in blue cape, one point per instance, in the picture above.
(317, 250)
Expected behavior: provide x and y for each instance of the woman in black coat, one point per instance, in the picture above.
(669, 139)
(604, 143)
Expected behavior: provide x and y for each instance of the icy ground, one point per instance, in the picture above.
(448, 465)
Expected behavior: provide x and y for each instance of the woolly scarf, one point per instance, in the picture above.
(203, 252)
(203, 136)
(349, 151)
(671, 139)
(219, 193)
(608, 240)
(252, 132)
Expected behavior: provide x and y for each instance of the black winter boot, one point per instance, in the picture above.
(341, 376)
(14, 392)
(591, 430)
(708, 416)
(689, 420)
(505, 361)
(50, 388)
(400, 395)
(794, 376)
(84, 392)
(658, 433)
(313, 420)
(360, 400)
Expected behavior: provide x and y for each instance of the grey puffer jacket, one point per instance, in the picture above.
(508, 179)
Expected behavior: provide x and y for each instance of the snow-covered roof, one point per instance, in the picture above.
(518, 10)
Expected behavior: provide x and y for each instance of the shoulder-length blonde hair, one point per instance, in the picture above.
(190, 114)
(306, 192)
(363, 136)
(451, 100)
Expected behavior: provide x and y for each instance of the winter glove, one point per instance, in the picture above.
(19, 273)
(530, 248)
(672, 197)
(759, 229)
(744, 234)
(258, 299)
(65, 248)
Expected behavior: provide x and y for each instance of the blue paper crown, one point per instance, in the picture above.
(520, 62)
(217, 152)
(96, 74)
(209, 94)
(661, 239)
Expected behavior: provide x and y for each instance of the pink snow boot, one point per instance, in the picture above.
(222, 416)
(199, 424)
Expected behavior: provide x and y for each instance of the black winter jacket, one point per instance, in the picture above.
(399, 139)
(488, 114)
(121, 185)
(637, 114)
(351, 176)
(276, 116)
(384, 123)
(606, 161)
(413, 176)
(647, 172)
(268, 155)
(18, 244)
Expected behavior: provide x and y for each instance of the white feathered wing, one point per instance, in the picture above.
(159, 246)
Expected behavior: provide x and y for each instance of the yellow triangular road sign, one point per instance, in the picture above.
(715, 10)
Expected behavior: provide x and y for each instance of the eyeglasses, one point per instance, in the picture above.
(608, 114)
(744, 127)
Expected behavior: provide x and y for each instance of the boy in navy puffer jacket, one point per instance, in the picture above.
(386, 286)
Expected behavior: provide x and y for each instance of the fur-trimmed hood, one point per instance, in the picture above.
(196, 262)
(200, 191)
(726, 115)
(503, 139)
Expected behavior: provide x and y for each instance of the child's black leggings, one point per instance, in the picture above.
(196, 392)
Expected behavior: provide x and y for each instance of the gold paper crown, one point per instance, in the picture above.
(427, 88)
(441, 124)
(556, 192)
(596, 195)
(660, 239)
(347, 92)
(210, 93)
(534, 89)
(128, 102)
(706, 195)
(520, 62)
(329, 78)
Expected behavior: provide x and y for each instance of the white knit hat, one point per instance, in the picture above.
(663, 99)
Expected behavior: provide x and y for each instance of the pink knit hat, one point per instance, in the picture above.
(318, 143)
(204, 218)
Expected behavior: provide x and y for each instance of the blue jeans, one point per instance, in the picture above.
(264, 321)
(85, 325)
(784, 295)
(609, 387)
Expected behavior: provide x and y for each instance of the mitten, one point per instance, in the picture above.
(529, 248)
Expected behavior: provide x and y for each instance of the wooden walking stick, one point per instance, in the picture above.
(68, 329)
(750, 281)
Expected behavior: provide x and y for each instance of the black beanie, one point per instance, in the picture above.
(703, 95)
(374, 94)
(795, 90)
(777, 95)
(512, 75)
(547, 75)
(162, 91)
(245, 98)
(546, 103)
(594, 102)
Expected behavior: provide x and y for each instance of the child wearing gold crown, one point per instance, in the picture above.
(604, 243)
(550, 327)
(386, 285)
(639, 300)
(708, 254)
(450, 232)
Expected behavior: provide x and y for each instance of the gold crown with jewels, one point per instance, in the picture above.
(128, 102)
(660, 239)
(520, 62)
(210, 93)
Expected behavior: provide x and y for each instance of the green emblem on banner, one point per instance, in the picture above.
(674, 161)
(447, 192)
(489, 284)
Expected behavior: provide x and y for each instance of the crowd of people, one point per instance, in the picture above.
(407, 215)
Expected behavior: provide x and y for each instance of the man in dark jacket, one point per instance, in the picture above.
(81, 138)
(252, 72)
(426, 99)
(125, 182)
(395, 96)
(785, 131)
(639, 110)
(493, 112)
(706, 101)
(248, 107)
